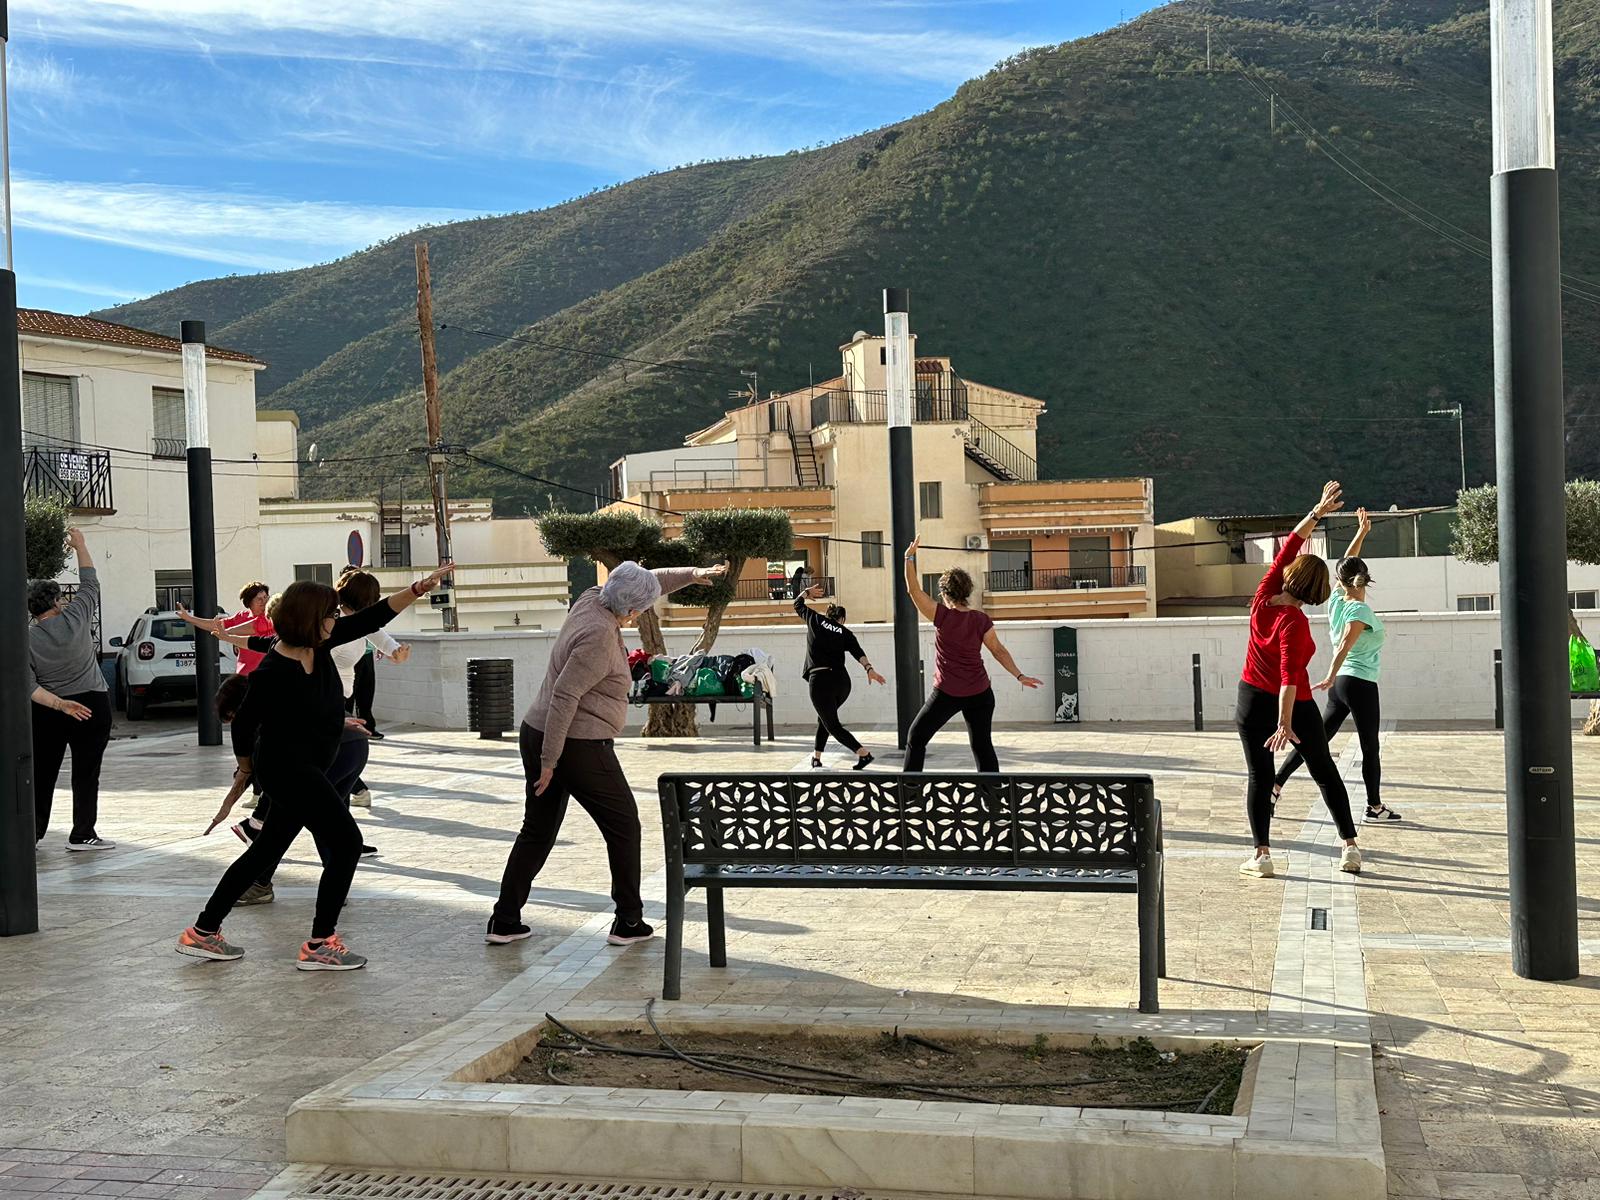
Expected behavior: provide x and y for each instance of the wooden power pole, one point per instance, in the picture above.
(430, 389)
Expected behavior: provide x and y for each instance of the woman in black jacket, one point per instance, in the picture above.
(293, 716)
(828, 643)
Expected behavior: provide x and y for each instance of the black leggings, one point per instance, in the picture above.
(1351, 697)
(1256, 718)
(978, 711)
(347, 766)
(829, 689)
(364, 690)
(53, 733)
(303, 797)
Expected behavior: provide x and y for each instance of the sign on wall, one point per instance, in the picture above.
(354, 549)
(72, 467)
(1066, 674)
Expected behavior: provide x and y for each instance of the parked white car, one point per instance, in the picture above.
(155, 663)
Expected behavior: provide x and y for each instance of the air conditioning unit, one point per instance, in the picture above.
(974, 541)
(1085, 583)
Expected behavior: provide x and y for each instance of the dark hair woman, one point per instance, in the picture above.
(251, 619)
(828, 644)
(71, 709)
(960, 679)
(293, 718)
(1352, 680)
(1275, 709)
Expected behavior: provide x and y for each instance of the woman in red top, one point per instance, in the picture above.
(1275, 705)
(960, 680)
(253, 596)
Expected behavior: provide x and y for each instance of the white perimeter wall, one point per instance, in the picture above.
(1437, 666)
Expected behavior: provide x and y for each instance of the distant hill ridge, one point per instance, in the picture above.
(1102, 224)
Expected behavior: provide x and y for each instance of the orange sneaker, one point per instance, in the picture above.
(196, 944)
(331, 955)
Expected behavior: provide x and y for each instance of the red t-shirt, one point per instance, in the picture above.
(249, 660)
(958, 668)
(1281, 645)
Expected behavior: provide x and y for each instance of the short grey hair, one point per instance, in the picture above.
(629, 589)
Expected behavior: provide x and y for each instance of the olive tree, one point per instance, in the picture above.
(45, 536)
(1477, 540)
(731, 535)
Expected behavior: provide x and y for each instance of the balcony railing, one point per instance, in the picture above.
(945, 400)
(169, 447)
(1035, 579)
(78, 478)
(1004, 457)
(776, 589)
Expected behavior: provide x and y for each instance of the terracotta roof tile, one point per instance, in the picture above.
(44, 323)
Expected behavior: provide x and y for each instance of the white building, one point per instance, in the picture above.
(103, 430)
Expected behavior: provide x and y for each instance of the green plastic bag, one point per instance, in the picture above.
(1585, 673)
(706, 683)
(660, 669)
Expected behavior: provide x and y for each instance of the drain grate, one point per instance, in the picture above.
(372, 1185)
(1319, 918)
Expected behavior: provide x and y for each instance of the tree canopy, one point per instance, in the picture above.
(45, 533)
(1477, 537)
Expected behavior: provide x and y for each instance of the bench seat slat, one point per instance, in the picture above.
(930, 875)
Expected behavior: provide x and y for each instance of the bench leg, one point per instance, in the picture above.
(719, 940)
(1149, 945)
(771, 737)
(1161, 922)
(672, 977)
(755, 721)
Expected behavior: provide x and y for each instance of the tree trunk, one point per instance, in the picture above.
(663, 720)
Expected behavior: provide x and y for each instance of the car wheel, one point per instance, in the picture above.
(135, 707)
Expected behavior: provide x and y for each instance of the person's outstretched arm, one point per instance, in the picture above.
(1272, 582)
(375, 616)
(920, 598)
(1363, 527)
(803, 610)
(1003, 656)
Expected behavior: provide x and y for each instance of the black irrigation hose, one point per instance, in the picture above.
(1209, 1096)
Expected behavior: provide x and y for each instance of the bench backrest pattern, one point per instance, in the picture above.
(1090, 821)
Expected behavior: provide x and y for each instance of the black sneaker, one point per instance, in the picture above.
(625, 934)
(92, 843)
(245, 832)
(500, 933)
(862, 763)
(1382, 813)
(375, 735)
(368, 851)
(256, 893)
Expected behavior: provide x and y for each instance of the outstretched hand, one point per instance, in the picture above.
(428, 582)
(1332, 498)
(874, 677)
(1028, 681)
(212, 626)
(716, 572)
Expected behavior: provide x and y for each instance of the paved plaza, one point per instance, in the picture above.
(131, 1071)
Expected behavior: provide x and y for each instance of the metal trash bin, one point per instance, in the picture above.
(491, 699)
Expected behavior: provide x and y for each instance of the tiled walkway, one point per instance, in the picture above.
(112, 1045)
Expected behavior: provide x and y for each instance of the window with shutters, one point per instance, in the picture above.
(931, 500)
(316, 572)
(49, 410)
(872, 548)
(171, 422)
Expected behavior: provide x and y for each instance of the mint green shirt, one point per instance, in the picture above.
(1364, 656)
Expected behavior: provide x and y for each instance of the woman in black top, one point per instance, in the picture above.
(293, 715)
(828, 642)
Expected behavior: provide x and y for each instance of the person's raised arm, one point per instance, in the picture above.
(80, 548)
(1272, 582)
(212, 625)
(920, 598)
(1363, 527)
(86, 599)
(674, 579)
(996, 647)
(1330, 502)
(375, 616)
(803, 610)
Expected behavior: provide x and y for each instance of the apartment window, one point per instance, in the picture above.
(930, 582)
(930, 499)
(316, 572)
(1475, 603)
(396, 550)
(1089, 560)
(49, 411)
(174, 588)
(1576, 600)
(872, 548)
(171, 422)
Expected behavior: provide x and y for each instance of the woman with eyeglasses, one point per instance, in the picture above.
(293, 716)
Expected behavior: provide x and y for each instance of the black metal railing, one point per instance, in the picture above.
(80, 479)
(169, 447)
(777, 588)
(1009, 458)
(1051, 579)
(945, 400)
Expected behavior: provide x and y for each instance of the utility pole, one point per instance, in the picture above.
(1531, 461)
(430, 389)
(202, 528)
(1456, 411)
(1208, 48)
(899, 377)
(1272, 113)
(19, 883)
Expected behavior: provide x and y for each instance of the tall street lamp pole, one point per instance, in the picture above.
(1458, 414)
(202, 528)
(899, 376)
(19, 886)
(1531, 463)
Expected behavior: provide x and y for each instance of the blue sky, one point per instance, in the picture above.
(160, 141)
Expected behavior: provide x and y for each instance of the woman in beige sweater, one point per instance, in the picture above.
(567, 747)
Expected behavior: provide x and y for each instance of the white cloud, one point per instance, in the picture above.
(238, 230)
(828, 36)
(78, 287)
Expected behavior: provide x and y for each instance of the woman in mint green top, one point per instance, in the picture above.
(1352, 680)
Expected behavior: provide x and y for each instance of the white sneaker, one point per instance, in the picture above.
(361, 799)
(1350, 860)
(94, 843)
(1259, 865)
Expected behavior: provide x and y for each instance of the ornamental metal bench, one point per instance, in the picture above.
(1058, 833)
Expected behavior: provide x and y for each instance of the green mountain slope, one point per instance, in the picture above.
(1234, 310)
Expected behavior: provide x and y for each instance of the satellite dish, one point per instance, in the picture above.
(311, 454)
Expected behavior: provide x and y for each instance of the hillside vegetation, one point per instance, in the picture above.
(1103, 224)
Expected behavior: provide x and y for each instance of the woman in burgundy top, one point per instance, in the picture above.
(960, 680)
(1275, 705)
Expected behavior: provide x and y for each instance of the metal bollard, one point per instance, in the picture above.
(1199, 699)
(1499, 694)
(490, 697)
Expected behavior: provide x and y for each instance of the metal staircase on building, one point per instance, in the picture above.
(1001, 458)
(805, 458)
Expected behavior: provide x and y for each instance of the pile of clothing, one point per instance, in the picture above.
(702, 675)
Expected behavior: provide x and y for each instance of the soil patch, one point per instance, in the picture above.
(891, 1065)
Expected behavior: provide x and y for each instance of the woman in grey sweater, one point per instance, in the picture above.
(567, 748)
(70, 706)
